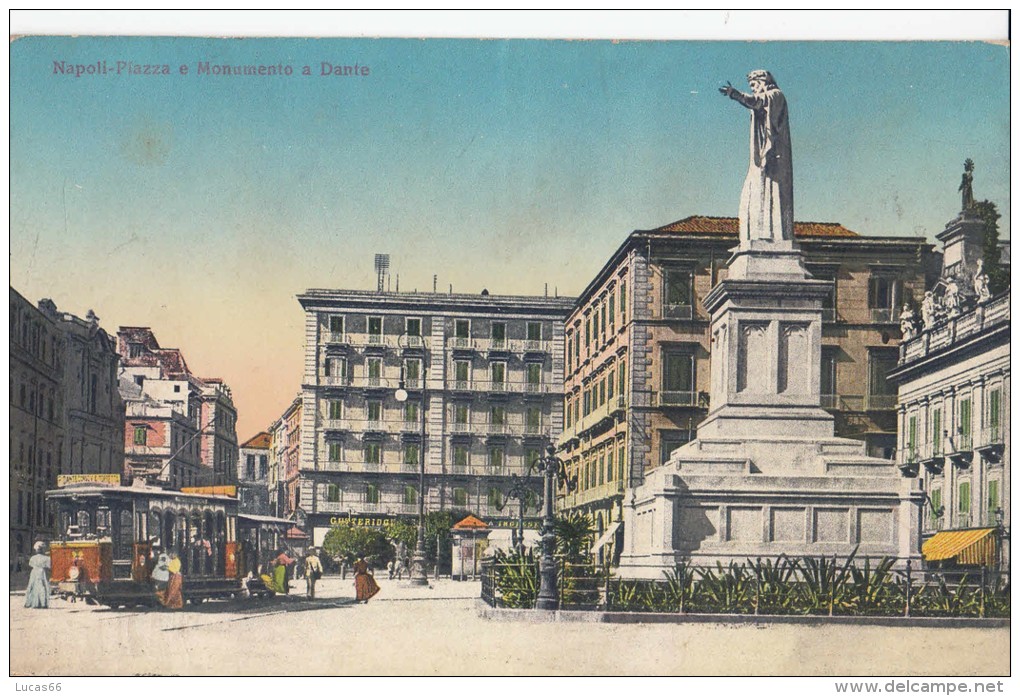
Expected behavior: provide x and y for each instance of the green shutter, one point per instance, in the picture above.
(964, 502)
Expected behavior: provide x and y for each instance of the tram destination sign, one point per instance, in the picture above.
(72, 479)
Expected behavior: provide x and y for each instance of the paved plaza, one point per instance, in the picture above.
(438, 630)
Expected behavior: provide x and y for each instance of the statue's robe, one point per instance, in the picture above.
(766, 202)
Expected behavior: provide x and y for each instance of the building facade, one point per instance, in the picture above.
(469, 386)
(66, 415)
(638, 347)
(953, 379)
(253, 475)
(179, 429)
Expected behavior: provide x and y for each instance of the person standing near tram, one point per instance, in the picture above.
(37, 596)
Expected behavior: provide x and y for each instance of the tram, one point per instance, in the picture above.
(112, 535)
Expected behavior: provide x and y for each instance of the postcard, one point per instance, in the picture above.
(509, 356)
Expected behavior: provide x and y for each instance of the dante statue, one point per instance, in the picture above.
(967, 185)
(766, 202)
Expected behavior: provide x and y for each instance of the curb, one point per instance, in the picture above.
(621, 617)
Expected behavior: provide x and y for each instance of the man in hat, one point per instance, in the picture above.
(313, 570)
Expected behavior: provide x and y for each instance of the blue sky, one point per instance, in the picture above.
(200, 205)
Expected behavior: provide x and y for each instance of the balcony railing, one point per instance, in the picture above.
(683, 398)
(533, 429)
(677, 311)
(974, 321)
(536, 346)
(462, 384)
(334, 423)
(601, 492)
(462, 343)
(460, 427)
(336, 337)
(884, 315)
(336, 380)
(535, 388)
(498, 429)
(879, 402)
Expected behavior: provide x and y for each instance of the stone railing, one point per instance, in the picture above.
(980, 318)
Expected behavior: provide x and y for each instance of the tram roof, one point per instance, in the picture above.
(100, 490)
(266, 519)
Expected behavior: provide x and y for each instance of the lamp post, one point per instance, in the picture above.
(555, 476)
(418, 576)
(520, 490)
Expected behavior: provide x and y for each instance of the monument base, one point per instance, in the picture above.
(734, 499)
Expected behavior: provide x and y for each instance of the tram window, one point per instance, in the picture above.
(65, 522)
(126, 533)
(84, 522)
(102, 521)
(155, 526)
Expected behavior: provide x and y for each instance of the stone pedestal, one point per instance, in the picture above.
(766, 476)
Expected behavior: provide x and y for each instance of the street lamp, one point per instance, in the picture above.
(520, 489)
(418, 575)
(555, 476)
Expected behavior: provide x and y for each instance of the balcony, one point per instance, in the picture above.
(909, 461)
(334, 424)
(603, 492)
(498, 387)
(335, 380)
(461, 385)
(932, 457)
(677, 311)
(682, 399)
(991, 443)
(535, 389)
(536, 346)
(498, 429)
(412, 345)
(336, 338)
(460, 428)
(879, 402)
(960, 450)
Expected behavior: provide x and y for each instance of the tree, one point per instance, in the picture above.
(574, 535)
(351, 542)
(998, 279)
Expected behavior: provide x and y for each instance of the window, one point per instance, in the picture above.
(603, 311)
(460, 414)
(669, 440)
(336, 409)
(462, 328)
(828, 380)
(460, 497)
(567, 411)
(462, 372)
(993, 496)
(332, 493)
(612, 311)
(374, 368)
(371, 494)
(412, 327)
(498, 372)
(263, 466)
(534, 373)
(623, 301)
(964, 430)
(964, 502)
(375, 326)
(534, 331)
(678, 372)
(460, 456)
(412, 370)
(497, 457)
(141, 433)
(884, 298)
(912, 437)
(373, 453)
(531, 456)
(611, 384)
(135, 350)
(602, 392)
(336, 326)
(495, 498)
(993, 414)
(936, 432)
(609, 465)
(678, 292)
(249, 470)
(411, 412)
(533, 419)
(497, 415)
(881, 392)
(411, 454)
(410, 495)
(936, 505)
(622, 376)
(621, 457)
(498, 332)
(595, 324)
(587, 333)
(335, 367)
(374, 410)
(569, 353)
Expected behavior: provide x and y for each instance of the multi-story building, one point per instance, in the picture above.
(481, 379)
(67, 416)
(253, 475)
(219, 430)
(37, 423)
(290, 494)
(638, 347)
(180, 429)
(277, 457)
(954, 384)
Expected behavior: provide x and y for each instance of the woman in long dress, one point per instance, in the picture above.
(37, 595)
(172, 597)
(365, 586)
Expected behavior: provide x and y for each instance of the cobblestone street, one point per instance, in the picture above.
(418, 631)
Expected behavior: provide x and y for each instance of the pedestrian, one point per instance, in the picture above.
(37, 596)
(365, 586)
(172, 597)
(399, 569)
(343, 568)
(313, 571)
(389, 567)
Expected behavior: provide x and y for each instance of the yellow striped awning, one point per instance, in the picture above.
(967, 546)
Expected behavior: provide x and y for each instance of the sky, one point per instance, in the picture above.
(201, 205)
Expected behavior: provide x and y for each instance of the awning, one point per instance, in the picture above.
(967, 546)
(606, 537)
